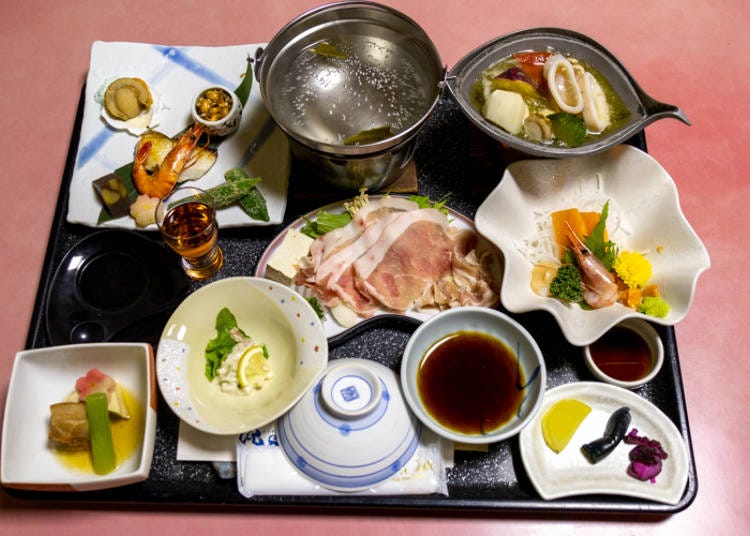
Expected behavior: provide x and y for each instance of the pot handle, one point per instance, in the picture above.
(257, 61)
(410, 150)
(449, 81)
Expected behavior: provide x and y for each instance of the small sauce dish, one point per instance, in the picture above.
(629, 355)
(218, 109)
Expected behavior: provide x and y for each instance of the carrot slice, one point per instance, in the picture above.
(560, 221)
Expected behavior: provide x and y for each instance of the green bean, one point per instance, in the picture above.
(225, 194)
(253, 203)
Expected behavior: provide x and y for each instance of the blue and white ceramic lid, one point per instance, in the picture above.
(353, 430)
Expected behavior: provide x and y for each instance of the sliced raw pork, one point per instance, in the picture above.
(396, 256)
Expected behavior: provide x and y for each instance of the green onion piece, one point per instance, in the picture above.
(100, 434)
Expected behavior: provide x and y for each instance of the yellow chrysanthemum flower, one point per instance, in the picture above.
(633, 268)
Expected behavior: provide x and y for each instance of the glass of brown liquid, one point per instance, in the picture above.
(187, 221)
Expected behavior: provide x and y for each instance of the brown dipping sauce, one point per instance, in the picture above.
(470, 382)
(622, 354)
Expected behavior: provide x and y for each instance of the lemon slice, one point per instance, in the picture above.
(252, 363)
(561, 421)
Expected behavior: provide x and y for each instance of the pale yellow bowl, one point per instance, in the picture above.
(269, 313)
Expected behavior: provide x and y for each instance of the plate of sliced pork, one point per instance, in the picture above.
(372, 256)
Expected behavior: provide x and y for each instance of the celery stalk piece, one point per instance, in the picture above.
(100, 434)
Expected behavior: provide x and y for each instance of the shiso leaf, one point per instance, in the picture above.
(220, 346)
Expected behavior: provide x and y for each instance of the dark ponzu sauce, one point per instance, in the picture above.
(622, 354)
(470, 382)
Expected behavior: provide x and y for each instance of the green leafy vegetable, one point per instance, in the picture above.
(317, 307)
(425, 202)
(220, 346)
(568, 128)
(567, 284)
(100, 434)
(324, 222)
(253, 203)
(604, 250)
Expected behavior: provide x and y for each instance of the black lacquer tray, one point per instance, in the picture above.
(454, 159)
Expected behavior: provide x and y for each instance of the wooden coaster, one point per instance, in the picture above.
(406, 184)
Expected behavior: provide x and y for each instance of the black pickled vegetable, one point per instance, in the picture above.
(617, 427)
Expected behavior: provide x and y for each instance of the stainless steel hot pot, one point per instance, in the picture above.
(351, 84)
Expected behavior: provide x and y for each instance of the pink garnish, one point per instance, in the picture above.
(645, 457)
(95, 381)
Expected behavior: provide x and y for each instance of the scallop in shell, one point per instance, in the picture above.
(126, 98)
(129, 104)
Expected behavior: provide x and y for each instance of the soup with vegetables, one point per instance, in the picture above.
(549, 98)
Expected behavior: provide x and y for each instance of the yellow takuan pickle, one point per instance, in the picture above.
(561, 421)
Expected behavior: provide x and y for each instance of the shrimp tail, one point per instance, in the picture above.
(141, 176)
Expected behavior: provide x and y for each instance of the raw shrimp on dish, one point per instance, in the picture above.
(163, 178)
(599, 287)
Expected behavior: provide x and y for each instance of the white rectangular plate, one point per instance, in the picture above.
(175, 75)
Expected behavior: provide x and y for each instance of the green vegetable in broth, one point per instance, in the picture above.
(100, 433)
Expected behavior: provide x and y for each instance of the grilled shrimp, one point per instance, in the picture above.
(163, 178)
(599, 287)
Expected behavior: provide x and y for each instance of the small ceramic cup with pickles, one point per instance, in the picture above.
(218, 109)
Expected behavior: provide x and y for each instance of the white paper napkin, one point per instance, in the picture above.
(196, 446)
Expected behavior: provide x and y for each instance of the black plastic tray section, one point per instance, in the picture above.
(453, 159)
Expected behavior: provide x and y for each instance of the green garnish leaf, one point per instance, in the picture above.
(604, 250)
(324, 222)
(220, 346)
(568, 128)
(317, 307)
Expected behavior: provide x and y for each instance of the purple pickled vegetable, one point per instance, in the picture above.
(645, 458)
(515, 73)
(644, 471)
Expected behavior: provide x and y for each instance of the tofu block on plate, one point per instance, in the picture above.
(284, 263)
